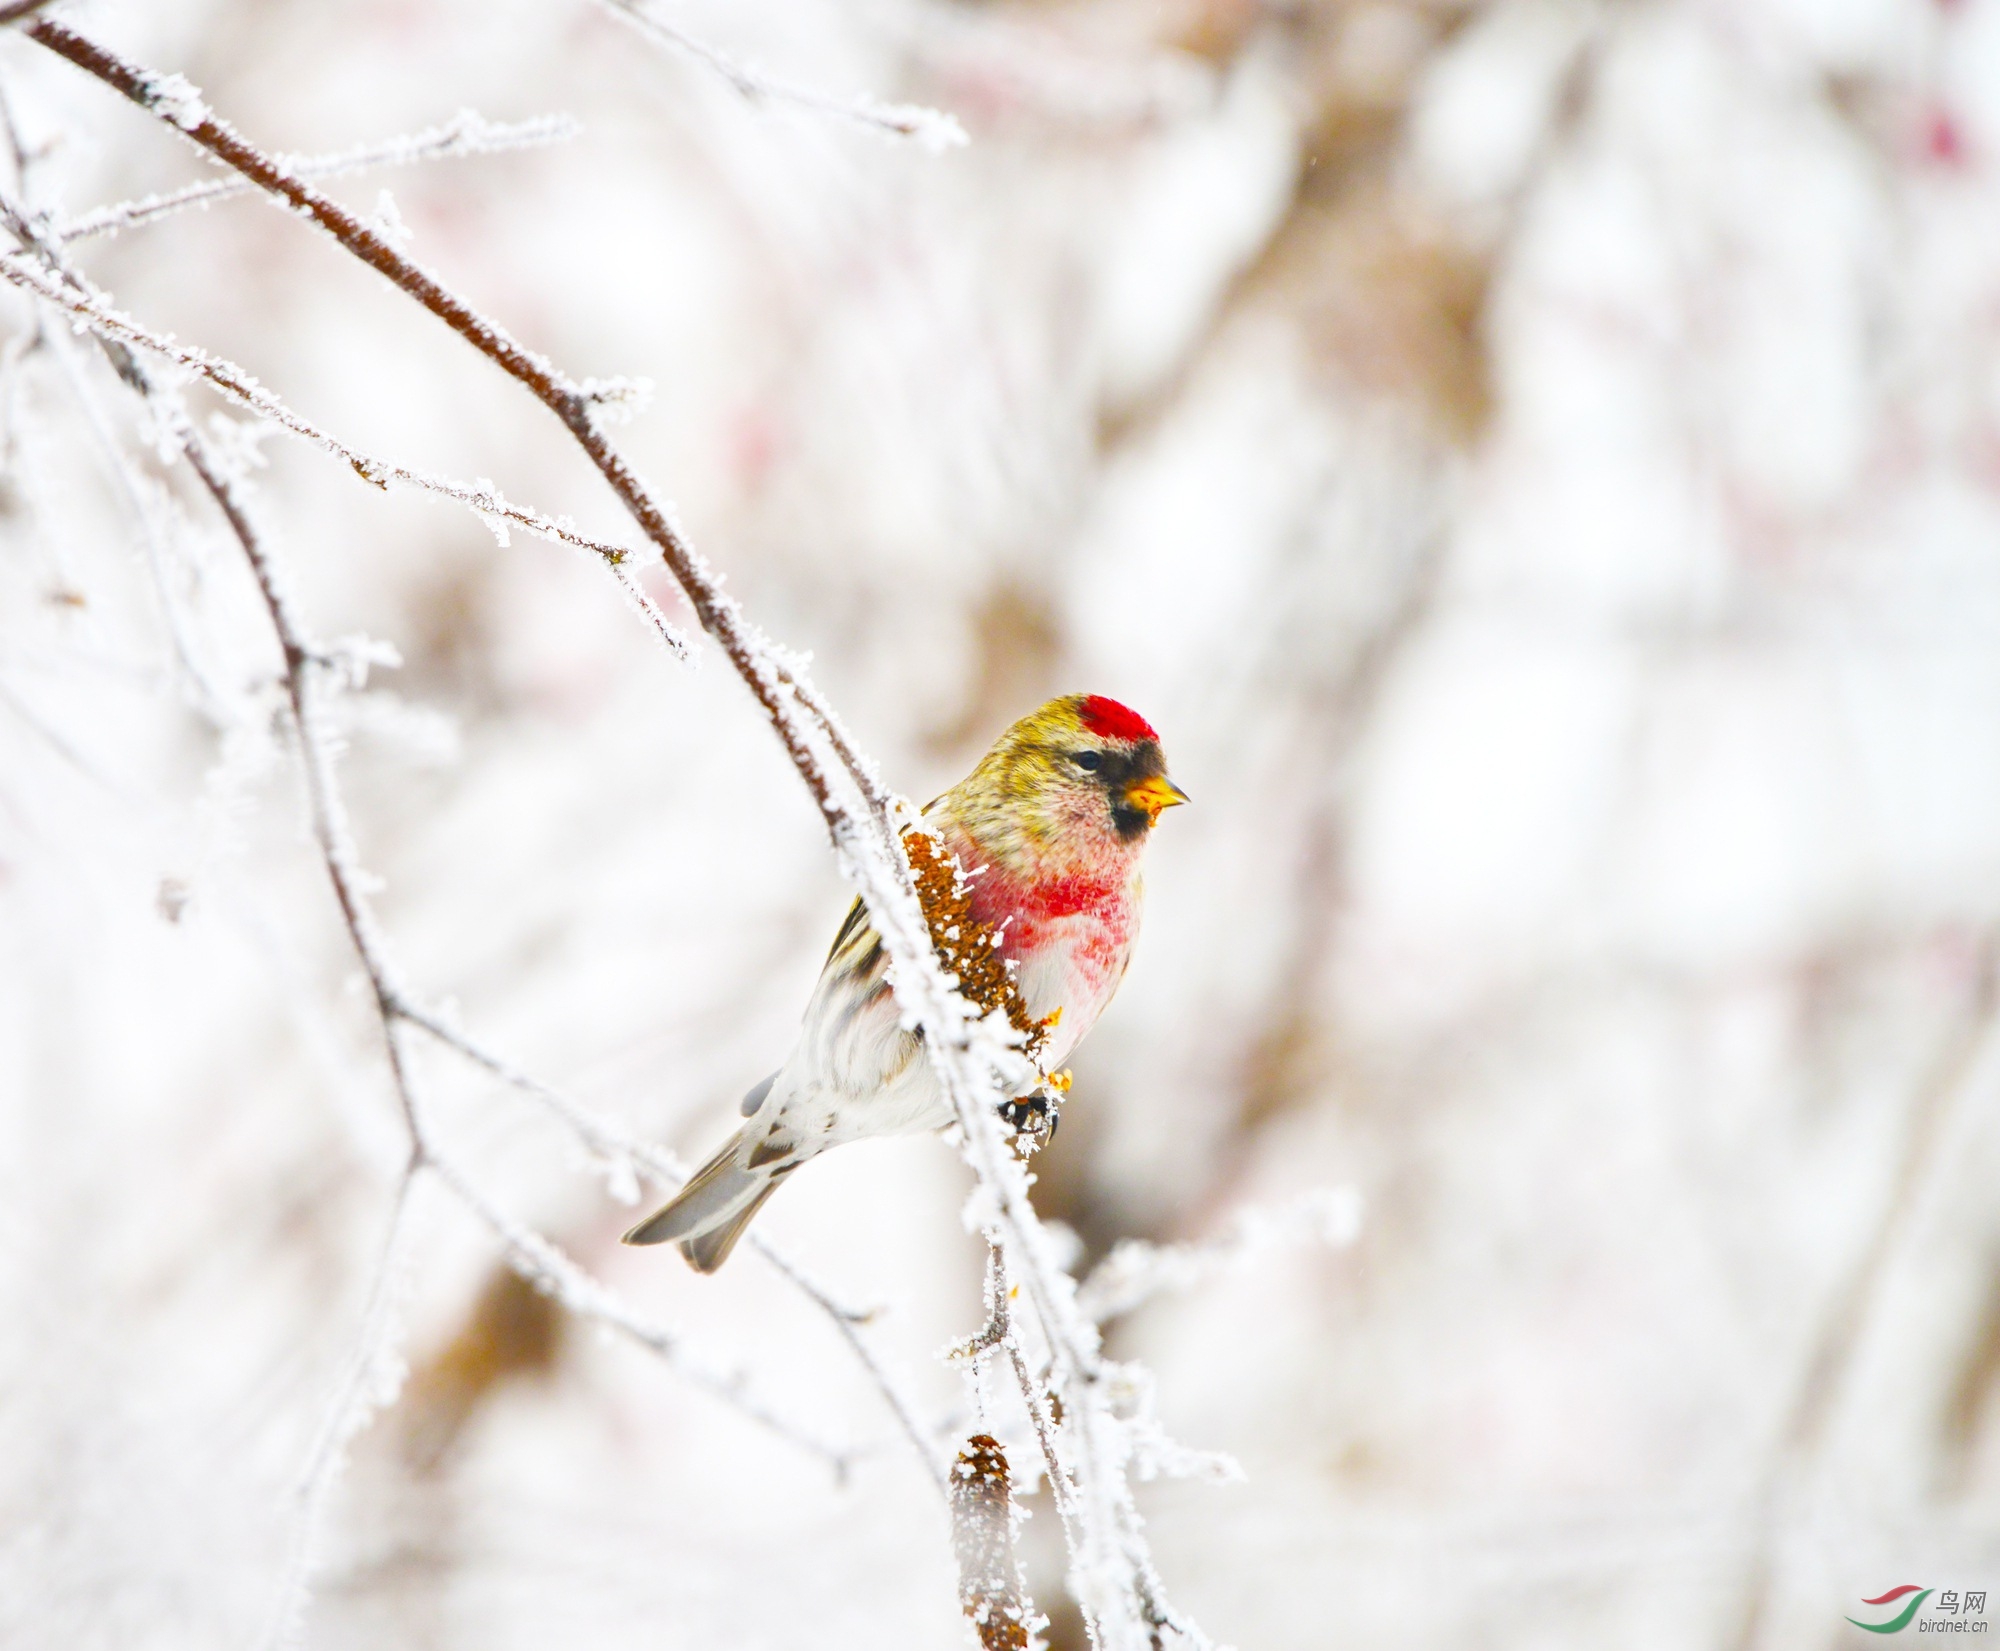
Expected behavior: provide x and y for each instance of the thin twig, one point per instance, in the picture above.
(469, 133)
(629, 1158)
(603, 1141)
(999, 1334)
(933, 128)
(549, 1270)
(154, 515)
(888, 1381)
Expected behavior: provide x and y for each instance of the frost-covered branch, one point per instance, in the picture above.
(977, 1056)
(467, 133)
(545, 1266)
(1087, 1444)
(1135, 1271)
(626, 1160)
(541, 1263)
(622, 1160)
(889, 1381)
(309, 671)
(933, 128)
(90, 308)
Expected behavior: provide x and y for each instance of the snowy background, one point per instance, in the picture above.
(1537, 463)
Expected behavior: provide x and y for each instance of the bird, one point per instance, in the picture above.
(1048, 831)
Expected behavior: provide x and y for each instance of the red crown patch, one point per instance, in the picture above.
(1107, 719)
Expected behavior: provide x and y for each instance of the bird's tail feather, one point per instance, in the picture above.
(708, 1215)
(709, 1248)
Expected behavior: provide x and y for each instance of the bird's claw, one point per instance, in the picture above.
(1033, 1118)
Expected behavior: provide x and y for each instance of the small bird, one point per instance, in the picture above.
(1048, 830)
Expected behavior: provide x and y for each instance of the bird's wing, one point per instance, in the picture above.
(853, 1033)
(857, 914)
(853, 1037)
(857, 917)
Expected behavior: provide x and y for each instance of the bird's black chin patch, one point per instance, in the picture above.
(1130, 823)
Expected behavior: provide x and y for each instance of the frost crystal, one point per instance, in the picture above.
(176, 98)
(388, 222)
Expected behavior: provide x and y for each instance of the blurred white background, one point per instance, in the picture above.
(1538, 464)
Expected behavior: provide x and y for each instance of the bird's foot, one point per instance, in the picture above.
(1033, 1118)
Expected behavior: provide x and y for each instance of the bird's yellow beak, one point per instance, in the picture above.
(1152, 795)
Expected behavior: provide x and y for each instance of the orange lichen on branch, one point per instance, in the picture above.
(968, 947)
(989, 1570)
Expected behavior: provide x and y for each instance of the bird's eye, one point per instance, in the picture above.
(1090, 761)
